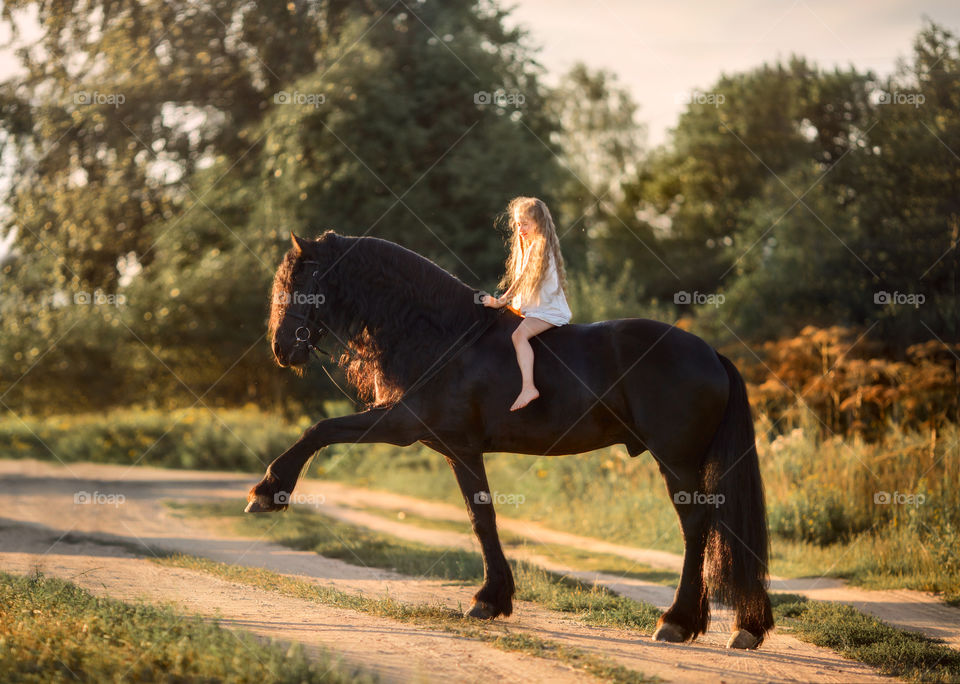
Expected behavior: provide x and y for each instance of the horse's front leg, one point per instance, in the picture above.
(397, 424)
(496, 595)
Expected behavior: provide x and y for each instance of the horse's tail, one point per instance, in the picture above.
(736, 554)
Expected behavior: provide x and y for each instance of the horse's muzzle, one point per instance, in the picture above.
(296, 356)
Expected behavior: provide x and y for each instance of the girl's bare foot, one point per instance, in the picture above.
(525, 397)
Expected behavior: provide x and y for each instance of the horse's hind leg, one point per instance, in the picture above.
(689, 614)
(496, 595)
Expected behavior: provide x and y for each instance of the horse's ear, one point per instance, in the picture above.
(299, 244)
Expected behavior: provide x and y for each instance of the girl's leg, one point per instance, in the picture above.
(529, 327)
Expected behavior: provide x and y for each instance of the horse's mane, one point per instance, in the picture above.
(397, 312)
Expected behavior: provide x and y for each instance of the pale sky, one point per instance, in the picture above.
(663, 49)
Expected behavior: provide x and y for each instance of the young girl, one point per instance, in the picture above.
(536, 280)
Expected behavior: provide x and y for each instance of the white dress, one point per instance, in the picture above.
(549, 304)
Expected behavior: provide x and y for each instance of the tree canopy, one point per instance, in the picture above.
(158, 154)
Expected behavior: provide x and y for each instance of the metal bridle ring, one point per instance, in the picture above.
(306, 330)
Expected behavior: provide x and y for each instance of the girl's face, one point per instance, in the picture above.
(524, 224)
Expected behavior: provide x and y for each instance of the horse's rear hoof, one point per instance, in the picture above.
(671, 633)
(482, 610)
(743, 639)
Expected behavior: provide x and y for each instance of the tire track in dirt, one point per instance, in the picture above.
(42, 493)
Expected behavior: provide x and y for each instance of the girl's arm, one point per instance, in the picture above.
(501, 301)
(507, 296)
(505, 300)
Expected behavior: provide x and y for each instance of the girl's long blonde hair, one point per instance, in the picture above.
(541, 246)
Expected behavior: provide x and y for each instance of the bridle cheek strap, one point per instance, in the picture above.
(303, 332)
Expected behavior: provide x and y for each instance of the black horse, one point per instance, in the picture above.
(436, 366)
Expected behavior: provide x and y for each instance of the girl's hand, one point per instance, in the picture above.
(492, 302)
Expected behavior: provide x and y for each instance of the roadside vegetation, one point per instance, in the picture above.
(574, 557)
(54, 631)
(862, 637)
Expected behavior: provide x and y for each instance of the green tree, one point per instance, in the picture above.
(234, 127)
(867, 231)
(600, 144)
(910, 185)
(119, 103)
(733, 139)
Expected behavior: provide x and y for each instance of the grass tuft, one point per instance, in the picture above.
(861, 637)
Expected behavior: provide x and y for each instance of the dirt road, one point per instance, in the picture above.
(45, 503)
(917, 611)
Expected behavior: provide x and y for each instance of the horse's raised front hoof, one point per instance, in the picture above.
(482, 611)
(743, 639)
(268, 495)
(263, 503)
(671, 633)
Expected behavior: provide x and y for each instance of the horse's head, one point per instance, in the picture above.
(297, 301)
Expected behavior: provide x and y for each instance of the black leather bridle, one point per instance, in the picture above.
(303, 333)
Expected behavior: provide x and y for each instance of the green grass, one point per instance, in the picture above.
(496, 634)
(861, 637)
(231, 439)
(578, 559)
(52, 630)
(310, 531)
